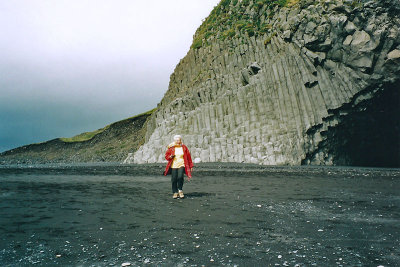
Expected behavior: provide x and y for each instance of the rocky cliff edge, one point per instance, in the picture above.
(308, 82)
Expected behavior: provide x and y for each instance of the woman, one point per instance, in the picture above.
(179, 161)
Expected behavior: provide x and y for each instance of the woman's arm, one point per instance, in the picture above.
(169, 154)
(189, 158)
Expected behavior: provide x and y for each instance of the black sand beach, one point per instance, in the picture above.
(233, 215)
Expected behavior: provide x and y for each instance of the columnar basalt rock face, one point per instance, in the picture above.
(277, 98)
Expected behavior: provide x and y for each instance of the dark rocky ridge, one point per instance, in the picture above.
(319, 86)
(111, 145)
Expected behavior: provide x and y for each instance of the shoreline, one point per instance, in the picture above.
(209, 169)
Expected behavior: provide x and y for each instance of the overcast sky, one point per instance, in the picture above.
(70, 66)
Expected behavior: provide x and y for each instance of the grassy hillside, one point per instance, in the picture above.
(232, 17)
(89, 135)
(110, 143)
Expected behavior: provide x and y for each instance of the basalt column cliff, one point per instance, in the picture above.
(286, 82)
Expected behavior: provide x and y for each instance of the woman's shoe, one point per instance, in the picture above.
(175, 196)
(181, 195)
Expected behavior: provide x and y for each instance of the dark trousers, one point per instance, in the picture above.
(177, 179)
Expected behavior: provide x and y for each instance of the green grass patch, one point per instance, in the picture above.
(84, 136)
(230, 17)
(228, 33)
(197, 43)
(89, 135)
(137, 116)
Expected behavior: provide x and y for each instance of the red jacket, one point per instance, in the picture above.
(186, 158)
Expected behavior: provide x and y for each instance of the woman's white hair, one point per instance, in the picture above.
(177, 137)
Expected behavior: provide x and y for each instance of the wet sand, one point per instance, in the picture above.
(233, 215)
